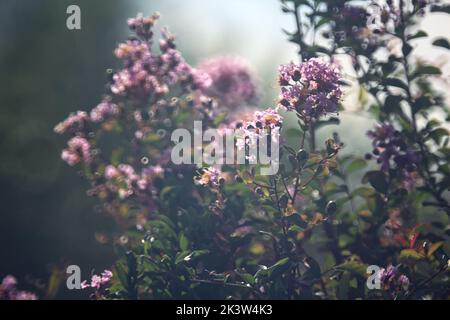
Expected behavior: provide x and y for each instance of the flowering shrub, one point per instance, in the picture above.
(9, 291)
(227, 231)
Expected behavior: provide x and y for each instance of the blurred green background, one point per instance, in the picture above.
(48, 71)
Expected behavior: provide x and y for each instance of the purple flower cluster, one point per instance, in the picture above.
(78, 149)
(311, 88)
(250, 119)
(261, 124)
(124, 180)
(98, 281)
(142, 26)
(267, 119)
(8, 290)
(103, 110)
(147, 72)
(249, 127)
(391, 279)
(75, 122)
(390, 149)
(209, 177)
(233, 83)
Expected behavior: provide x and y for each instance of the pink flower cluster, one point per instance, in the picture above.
(124, 180)
(392, 280)
(266, 119)
(233, 84)
(74, 121)
(103, 110)
(8, 290)
(142, 26)
(311, 88)
(209, 177)
(249, 129)
(392, 151)
(262, 123)
(79, 149)
(146, 72)
(98, 281)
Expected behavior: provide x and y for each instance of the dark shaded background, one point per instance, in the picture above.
(47, 71)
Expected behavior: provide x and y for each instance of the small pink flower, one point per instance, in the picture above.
(24, 295)
(8, 283)
(111, 172)
(74, 120)
(97, 281)
(107, 275)
(103, 111)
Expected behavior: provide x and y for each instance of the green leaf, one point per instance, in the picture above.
(377, 180)
(279, 268)
(293, 133)
(442, 42)
(183, 241)
(410, 255)
(122, 275)
(434, 247)
(343, 286)
(354, 266)
(195, 254)
(363, 192)
(356, 165)
(313, 270)
(406, 49)
(247, 277)
(394, 82)
(418, 34)
(219, 119)
(392, 104)
(422, 103)
(181, 256)
(166, 191)
(439, 134)
(443, 8)
(426, 70)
